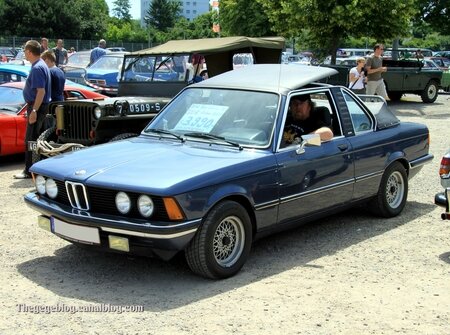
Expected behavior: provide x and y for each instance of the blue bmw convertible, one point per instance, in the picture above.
(212, 172)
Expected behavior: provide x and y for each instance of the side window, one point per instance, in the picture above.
(308, 112)
(361, 121)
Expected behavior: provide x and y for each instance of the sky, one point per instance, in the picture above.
(135, 10)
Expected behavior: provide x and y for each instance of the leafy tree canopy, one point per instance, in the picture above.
(121, 10)
(244, 18)
(162, 14)
(328, 23)
(54, 18)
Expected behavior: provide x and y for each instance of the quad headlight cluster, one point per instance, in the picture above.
(46, 186)
(144, 204)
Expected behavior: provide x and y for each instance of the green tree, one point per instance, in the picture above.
(328, 24)
(243, 18)
(162, 14)
(126, 32)
(121, 10)
(55, 19)
(435, 13)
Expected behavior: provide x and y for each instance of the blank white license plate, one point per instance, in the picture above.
(77, 233)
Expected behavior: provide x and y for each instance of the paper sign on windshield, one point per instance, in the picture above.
(201, 118)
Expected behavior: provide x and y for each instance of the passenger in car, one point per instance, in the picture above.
(305, 118)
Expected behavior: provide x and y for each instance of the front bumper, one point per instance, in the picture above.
(161, 239)
(442, 199)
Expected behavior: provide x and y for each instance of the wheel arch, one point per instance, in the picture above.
(238, 195)
(401, 158)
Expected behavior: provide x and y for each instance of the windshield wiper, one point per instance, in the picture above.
(213, 137)
(166, 132)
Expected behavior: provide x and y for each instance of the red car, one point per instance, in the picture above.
(13, 114)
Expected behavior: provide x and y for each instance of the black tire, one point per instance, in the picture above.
(48, 135)
(222, 244)
(393, 192)
(395, 96)
(430, 93)
(123, 137)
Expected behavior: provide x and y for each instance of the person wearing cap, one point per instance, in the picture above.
(304, 118)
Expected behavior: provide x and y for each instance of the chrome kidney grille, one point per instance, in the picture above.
(77, 195)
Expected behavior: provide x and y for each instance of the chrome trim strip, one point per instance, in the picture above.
(268, 204)
(369, 176)
(317, 190)
(148, 235)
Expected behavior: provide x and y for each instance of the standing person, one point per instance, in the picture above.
(356, 77)
(37, 95)
(374, 67)
(44, 44)
(98, 51)
(60, 53)
(57, 76)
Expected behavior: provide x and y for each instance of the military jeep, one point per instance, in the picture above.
(149, 79)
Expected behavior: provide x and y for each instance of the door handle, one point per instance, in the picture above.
(343, 147)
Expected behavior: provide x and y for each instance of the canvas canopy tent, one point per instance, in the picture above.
(218, 52)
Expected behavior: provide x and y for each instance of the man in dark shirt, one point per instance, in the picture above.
(305, 118)
(37, 95)
(57, 75)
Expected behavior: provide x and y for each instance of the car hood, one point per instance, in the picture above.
(156, 166)
(109, 75)
(101, 73)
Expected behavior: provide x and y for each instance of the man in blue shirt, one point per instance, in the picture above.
(36, 93)
(58, 78)
(98, 52)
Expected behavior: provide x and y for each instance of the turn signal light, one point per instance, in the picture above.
(173, 210)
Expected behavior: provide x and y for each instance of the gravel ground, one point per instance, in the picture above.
(349, 274)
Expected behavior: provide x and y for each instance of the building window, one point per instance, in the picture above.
(194, 12)
(188, 11)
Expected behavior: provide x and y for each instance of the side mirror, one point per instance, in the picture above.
(308, 140)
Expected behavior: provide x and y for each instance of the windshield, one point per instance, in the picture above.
(108, 63)
(79, 59)
(172, 68)
(224, 116)
(11, 99)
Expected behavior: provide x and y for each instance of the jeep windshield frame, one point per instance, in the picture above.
(167, 64)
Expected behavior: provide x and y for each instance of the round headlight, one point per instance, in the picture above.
(97, 112)
(145, 206)
(51, 188)
(123, 202)
(40, 184)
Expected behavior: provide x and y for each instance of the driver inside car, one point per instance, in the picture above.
(305, 118)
